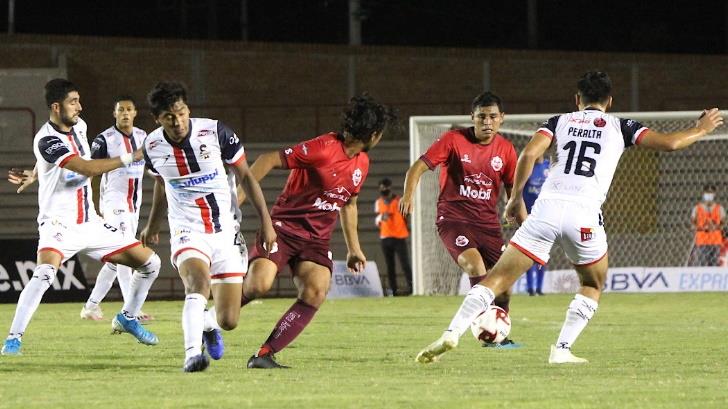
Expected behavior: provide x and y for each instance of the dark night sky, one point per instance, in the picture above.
(610, 25)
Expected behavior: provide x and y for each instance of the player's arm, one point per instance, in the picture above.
(534, 149)
(355, 259)
(96, 167)
(674, 141)
(150, 233)
(23, 177)
(522, 214)
(252, 190)
(411, 179)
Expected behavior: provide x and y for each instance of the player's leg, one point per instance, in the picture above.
(259, 280)
(388, 250)
(104, 280)
(530, 278)
(313, 281)
(540, 273)
(404, 261)
(48, 262)
(194, 269)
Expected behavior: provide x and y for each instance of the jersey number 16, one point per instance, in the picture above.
(584, 164)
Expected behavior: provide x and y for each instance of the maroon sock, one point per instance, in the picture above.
(288, 327)
(503, 301)
(475, 280)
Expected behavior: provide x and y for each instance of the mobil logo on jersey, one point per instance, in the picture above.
(477, 186)
(330, 198)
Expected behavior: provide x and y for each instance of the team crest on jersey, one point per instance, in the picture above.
(496, 163)
(586, 233)
(356, 177)
(118, 211)
(465, 158)
(204, 152)
(599, 122)
(183, 239)
(58, 236)
(461, 241)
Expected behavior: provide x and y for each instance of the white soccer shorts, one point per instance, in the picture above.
(126, 221)
(97, 239)
(577, 227)
(223, 251)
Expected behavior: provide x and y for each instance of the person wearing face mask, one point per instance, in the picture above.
(708, 219)
(393, 234)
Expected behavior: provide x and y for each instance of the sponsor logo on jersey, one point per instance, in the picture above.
(586, 233)
(193, 181)
(600, 122)
(496, 163)
(461, 241)
(356, 177)
(465, 159)
(153, 144)
(118, 211)
(58, 236)
(482, 194)
(56, 146)
(326, 205)
(183, 239)
(339, 193)
(204, 132)
(480, 179)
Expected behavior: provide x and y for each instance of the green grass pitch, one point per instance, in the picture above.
(646, 351)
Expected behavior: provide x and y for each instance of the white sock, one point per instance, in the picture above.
(141, 282)
(476, 301)
(104, 281)
(123, 275)
(580, 311)
(211, 320)
(30, 297)
(193, 322)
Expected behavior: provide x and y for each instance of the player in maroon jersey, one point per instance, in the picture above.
(327, 173)
(475, 162)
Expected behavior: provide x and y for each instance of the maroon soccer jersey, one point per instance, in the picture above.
(471, 175)
(322, 180)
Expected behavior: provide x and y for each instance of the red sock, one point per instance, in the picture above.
(475, 280)
(288, 327)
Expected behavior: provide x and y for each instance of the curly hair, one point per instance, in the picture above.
(364, 116)
(594, 86)
(164, 95)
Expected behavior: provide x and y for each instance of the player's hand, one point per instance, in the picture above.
(356, 261)
(405, 206)
(138, 155)
(23, 178)
(148, 236)
(514, 211)
(709, 120)
(268, 237)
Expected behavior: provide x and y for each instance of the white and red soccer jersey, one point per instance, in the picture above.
(197, 187)
(589, 144)
(120, 188)
(63, 195)
(323, 178)
(471, 175)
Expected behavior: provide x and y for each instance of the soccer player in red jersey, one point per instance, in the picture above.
(327, 173)
(475, 162)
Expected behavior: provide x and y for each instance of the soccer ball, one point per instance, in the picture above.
(493, 325)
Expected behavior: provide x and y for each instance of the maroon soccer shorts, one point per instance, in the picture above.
(292, 250)
(459, 236)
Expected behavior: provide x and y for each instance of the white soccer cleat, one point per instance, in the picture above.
(564, 356)
(94, 313)
(144, 317)
(446, 342)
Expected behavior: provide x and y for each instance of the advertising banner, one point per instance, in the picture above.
(345, 284)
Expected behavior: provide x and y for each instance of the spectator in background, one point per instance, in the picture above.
(708, 219)
(530, 193)
(393, 234)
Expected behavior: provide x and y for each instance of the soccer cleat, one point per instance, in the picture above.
(94, 313)
(120, 324)
(564, 356)
(12, 347)
(264, 362)
(143, 317)
(212, 340)
(446, 342)
(505, 344)
(197, 363)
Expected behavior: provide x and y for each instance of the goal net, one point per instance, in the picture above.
(647, 212)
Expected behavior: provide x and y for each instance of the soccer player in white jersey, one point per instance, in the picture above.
(589, 143)
(189, 156)
(120, 197)
(67, 221)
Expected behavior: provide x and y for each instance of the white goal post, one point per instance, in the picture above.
(647, 212)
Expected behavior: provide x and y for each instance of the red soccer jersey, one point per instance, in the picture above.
(323, 178)
(471, 176)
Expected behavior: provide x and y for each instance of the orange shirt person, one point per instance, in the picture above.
(708, 219)
(393, 233)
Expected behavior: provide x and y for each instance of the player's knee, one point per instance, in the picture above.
(594, 281)
(256, 289)
(46, 273)
(150, 269)
(227, 320)
(315, 295)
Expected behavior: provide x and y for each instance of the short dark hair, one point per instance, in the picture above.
(594, 86)
(124, 97)
(56, 90)
(164, 95)
(364, 115)
(710, 188)
(386, 182)
(486, 99)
